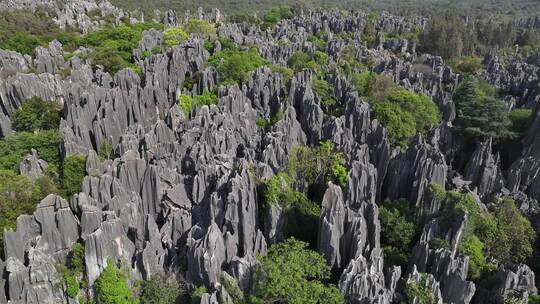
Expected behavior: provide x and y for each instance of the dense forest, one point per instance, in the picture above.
(316, 152)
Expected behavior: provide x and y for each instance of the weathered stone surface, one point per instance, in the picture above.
(32, 166)
(331, 225)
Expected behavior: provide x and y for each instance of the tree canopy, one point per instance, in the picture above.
(478, 114)
(293, 274)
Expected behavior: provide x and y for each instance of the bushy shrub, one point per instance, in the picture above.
(301, 60)
(277, 14)
(502, 235)
(369, 33)
(419, 292)
(36, 114)
(474, 248)
(232, 288)
(197, 294)
(520, 119)
(198, 26)
(265, 123)
(22, 31)
(76, 260)
(73, 173)
(18, 195)
(319, 42)
(22, 42)
(515, 240)
(302, 213)
(112, 287)
(364, 82)
(188, 103)
(404, 113)
(72, 273)
(294, 274)
(466, 65)
(234, 66)
(16, 146)
(399, 123)
(285, 72)
(317, 165)
(325, 92)
(160, 290)
(174, 36)
(105, 149)
(397, 230)
(113, 46)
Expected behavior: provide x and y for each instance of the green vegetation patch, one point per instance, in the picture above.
(16, 146)
(480, 115)
(403, 112)
(174, 36)
(419, 292)
(317, 165)
(73, 173)
(295, 274)
(36, 114)
(502, 235)
(71, 274)
(161, 290)
(23, 31)
(276, 14)
(188, 103)
(112, 287)
(113, 46)
(398, 229)
(234, 66)
(20, 195)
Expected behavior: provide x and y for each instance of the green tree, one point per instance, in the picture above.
(515, 228)
(425, 112)
(174, 36)
(188, 103)
(277, 14)
(473, 247)
(234, 66)
(73, 173)
(325, 92)
(105, 149)
(419, 292)
(397, 230)
(293, 274)
(520, 119)
(16, 146)
(160, 290)
(199, 26)
(369, 33)
(302, 213)
(364, 82)
(23, 43)
(112, 287)
(479, 115)
(317, 165)
(36, 114)
(71, 273)
(113, 46)
(399, 123)
(445, 36)
(300, 61)
(20, 195)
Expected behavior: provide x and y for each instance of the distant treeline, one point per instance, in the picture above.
(502, 7)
